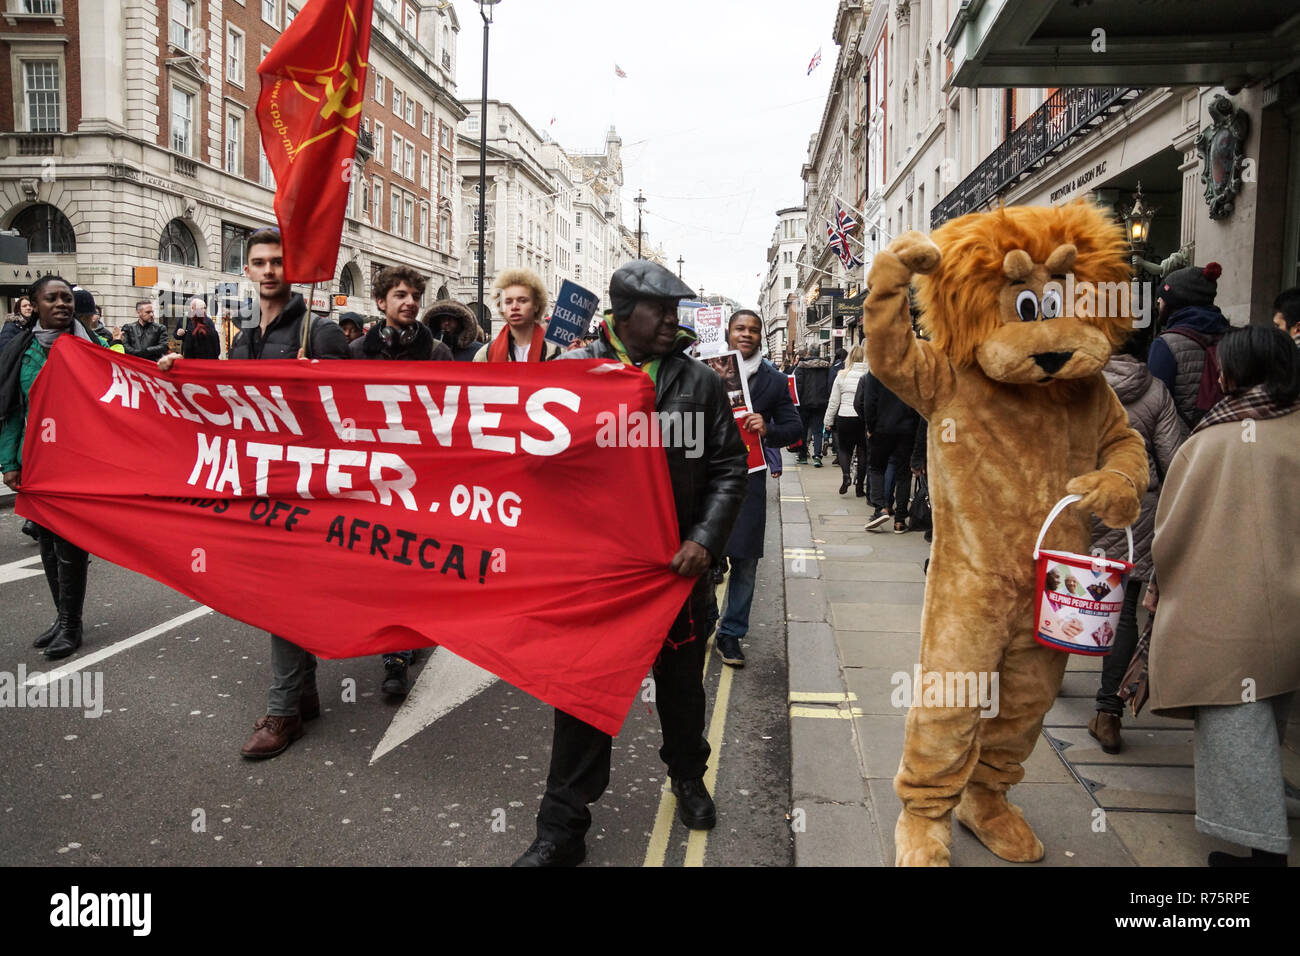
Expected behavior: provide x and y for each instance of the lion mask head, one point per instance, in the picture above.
(1034, 295)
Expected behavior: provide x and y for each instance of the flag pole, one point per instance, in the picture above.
(306, 323)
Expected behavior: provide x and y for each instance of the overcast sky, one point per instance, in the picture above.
(715, 113)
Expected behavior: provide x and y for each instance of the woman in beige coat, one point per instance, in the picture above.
(1225, 648)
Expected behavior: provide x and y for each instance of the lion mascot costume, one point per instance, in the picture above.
(1019, 416)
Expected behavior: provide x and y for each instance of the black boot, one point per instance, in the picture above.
(32, 529)
(51, 563)
(73, 564)
(1257, 858)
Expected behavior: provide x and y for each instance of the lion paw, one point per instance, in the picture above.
(921, 841)
(999, 825)
(1109, 495)
(915, 250)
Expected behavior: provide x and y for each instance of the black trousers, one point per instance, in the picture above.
(850, 437)
(580, 754)
(1121, 654)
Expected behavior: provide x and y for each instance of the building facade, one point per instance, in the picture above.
(780, 290)
(130, 156)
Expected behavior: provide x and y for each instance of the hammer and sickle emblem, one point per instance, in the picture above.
(334, 97)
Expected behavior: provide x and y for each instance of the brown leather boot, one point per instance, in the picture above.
(1105, 727)
(272, 736)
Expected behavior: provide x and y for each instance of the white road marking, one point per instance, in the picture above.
(17, 570)
(120, 646)
(446, 682)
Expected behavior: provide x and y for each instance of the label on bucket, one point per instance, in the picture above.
(1079, 602)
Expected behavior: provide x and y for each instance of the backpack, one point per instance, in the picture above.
(1208, 392)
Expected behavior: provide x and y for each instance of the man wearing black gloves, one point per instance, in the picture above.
(708, 487)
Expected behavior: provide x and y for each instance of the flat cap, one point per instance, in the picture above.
(643, 279)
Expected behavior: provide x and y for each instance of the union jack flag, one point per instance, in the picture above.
(618, 71)
(843, 220)
(817, 58)
(839, 243)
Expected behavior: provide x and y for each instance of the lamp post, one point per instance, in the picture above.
(485, 9)
(640, 201)
(1137, 225)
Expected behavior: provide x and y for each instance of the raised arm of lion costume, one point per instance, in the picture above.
(1019, 416)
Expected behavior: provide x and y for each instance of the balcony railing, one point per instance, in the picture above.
(365, 143)
(1064, 116)
(34, 144)
(185, 167)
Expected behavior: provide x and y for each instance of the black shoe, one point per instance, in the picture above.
(47, 636)
(694, 805)
(31, 530)
(878, 517)
(394, 677)
(817, 462)
(844, 486)
(73, 564)
(801, 460)
(546, 853)
(860, 492)
(728, 648)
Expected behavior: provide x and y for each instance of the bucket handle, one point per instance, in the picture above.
(1061, 506)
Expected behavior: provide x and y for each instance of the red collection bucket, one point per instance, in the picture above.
(1080, 596)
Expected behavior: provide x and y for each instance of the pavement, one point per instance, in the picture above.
(853, 608)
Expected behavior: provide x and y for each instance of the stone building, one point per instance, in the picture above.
(131, 161)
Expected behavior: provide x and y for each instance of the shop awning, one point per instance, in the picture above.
(1055, 43)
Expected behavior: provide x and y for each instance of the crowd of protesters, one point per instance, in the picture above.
(1180, 388)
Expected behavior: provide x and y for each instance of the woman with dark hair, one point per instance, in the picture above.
(17, 322)
(65, 563)
(1224, 647)
(773, 419)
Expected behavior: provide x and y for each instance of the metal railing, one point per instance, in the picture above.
(1065, 115)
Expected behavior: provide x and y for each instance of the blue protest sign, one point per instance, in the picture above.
(574, 307)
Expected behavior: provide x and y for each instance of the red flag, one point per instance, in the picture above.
(357, 508)
(313, 88)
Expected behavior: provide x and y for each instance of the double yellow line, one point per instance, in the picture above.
(657, 850)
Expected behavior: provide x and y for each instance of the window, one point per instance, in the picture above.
(471, 124)
(48, 7)
(408, 211)
(365, 202)
(41, 94)
(233, 246)
(377, 203)
(577, 247)
(577, 219)
(181, 23)
(234, 143)
(265, 176)
(290, 11)
(577, 273)
(410, 112)
(379, 88)
(424, 223)
(444, 231)
(444, 180)
(46, 229)
(269, 12)
(397, 153)
(235, 56)
(444, 136)
(787, 282)
(424, 169)
(397, 101)
(379, 142)
(347, 284)
(182, 121)
(410, 19)
(177, 245)
(424, 121)
(408, 166)
(395, 212)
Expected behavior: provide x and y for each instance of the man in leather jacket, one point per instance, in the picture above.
(145, 337)
(708, 488)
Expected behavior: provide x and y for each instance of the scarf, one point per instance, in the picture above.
(47, 337)
(751, 365)
(500, 349)
(651, 367)
(1254, 403)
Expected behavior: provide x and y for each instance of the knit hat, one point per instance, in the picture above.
(83, 303)
(1191, 286)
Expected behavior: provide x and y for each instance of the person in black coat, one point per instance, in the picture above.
(454, 326)
(145, 338)
(891, 431)
(198, 333)
(708, 482)
(773, 417)
(813, 382)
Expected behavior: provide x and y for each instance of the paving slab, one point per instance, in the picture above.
(1171, 747)
(1078, 711)
(836, 835)
(1141, 788)
(805, 600)
(896, 650)
(819, 771)
(901, 571)
(814, 658)
(876, 617)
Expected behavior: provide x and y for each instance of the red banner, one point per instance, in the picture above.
(308, 111)
(356, 508)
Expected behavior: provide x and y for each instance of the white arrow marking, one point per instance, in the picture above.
(446, 682)
(17, 570)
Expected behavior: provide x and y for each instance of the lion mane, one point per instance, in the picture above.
(959, 300)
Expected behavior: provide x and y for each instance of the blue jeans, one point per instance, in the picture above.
(740, 597)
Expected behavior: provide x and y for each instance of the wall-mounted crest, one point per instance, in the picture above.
(1222, 145)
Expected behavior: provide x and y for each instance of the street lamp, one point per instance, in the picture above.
(640, 201)
(1137, 222)
(485, 9)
